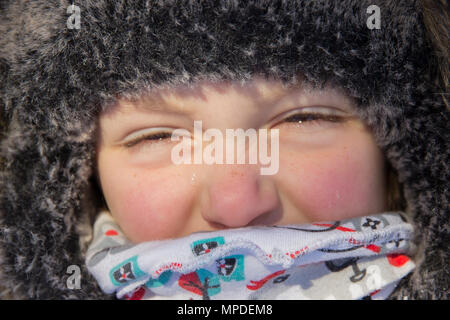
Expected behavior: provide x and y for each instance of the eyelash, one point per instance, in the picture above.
(312, 119)
(303, 118)
(152, 137)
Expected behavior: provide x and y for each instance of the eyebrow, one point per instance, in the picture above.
(149, 103)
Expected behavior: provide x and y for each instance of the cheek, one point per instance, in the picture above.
(142, 203)
(337, 184)
(336, 191)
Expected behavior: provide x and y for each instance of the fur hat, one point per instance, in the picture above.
(55, 80)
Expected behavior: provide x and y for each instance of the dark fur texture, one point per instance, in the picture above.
(54, 82)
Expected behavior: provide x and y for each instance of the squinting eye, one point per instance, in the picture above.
(152, 135)
(309, 117)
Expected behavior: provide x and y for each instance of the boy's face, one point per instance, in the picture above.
(329, 165)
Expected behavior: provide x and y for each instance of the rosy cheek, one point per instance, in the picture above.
(145, 207)
(334, 192)
(336, 185)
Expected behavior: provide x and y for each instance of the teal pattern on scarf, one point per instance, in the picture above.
(358, 258)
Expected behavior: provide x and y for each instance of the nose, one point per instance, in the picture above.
(239, 196)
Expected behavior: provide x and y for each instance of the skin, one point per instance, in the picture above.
(328, 170)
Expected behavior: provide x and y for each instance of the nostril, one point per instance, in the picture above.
(269, 218)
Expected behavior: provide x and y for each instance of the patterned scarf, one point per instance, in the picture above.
(358, 258)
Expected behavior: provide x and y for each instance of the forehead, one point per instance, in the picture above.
(184, 99)
(181, 98)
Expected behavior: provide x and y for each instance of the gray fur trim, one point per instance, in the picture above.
(54, 81)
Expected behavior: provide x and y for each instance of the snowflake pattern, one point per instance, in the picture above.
(371, 223)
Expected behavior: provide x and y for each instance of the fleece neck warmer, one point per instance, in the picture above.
(54, 81)
(357, 258)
